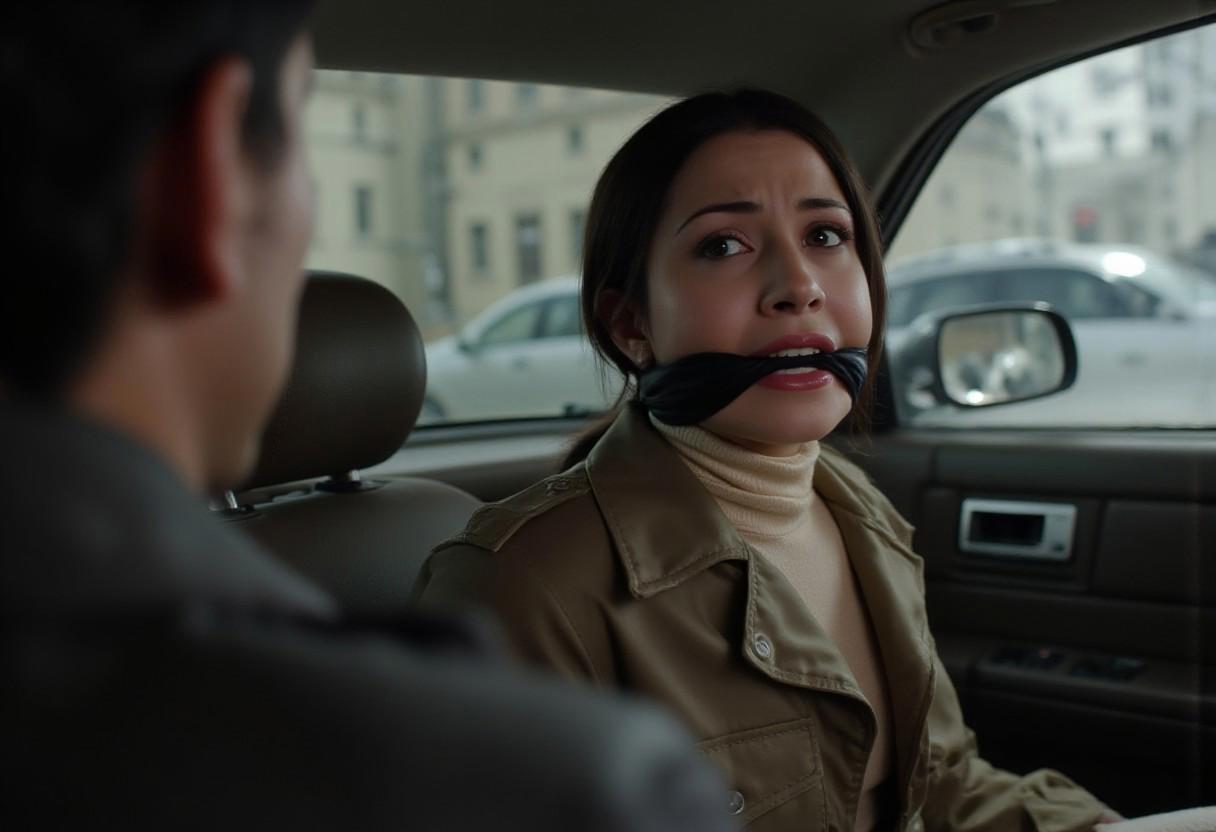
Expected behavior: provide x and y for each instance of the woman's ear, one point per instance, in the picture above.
(626, 326)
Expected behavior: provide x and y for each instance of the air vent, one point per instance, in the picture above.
(953, 24)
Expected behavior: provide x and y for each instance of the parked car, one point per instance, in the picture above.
(532, 339)
(1145, 328)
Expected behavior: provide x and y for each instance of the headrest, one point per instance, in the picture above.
(355, 389)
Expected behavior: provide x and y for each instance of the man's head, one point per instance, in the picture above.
(160, 210)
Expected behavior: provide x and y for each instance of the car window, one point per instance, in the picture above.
(1074, 294)
(945, 292)
(1091, 188)
(457, 194)
(563, 318)
(520, 324)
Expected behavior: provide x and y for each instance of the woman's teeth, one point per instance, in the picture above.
(790, 354)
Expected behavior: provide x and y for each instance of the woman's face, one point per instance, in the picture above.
(754, 254)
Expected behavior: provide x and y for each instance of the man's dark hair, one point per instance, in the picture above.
(88, 88)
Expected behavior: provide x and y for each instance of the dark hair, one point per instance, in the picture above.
(631, 195)
(89, 88)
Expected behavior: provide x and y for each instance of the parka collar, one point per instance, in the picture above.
(664, 524)
(667, 527)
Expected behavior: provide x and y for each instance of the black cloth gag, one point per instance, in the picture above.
(693, 388)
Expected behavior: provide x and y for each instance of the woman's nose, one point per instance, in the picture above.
(793, 286)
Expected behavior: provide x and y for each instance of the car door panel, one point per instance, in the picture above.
(1104, 665)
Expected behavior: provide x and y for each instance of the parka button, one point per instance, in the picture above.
(762, 646)
(736, 804)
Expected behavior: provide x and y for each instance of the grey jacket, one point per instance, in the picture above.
(160, 671)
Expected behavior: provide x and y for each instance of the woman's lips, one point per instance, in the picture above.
(803, 378)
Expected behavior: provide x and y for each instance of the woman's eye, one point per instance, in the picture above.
(824, 236)
(717, 248)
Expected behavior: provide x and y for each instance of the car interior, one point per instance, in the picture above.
(1071, 573)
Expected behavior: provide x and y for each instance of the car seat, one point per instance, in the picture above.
(353, 396)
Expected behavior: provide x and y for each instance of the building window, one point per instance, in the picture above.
(578, 223)
(476, 157)
(526, 94)
(358, 119)
(1108, 137)
(1105, 80)
(527, 247)
(1162, 141)
(363, 210)
(575, 140)
(479, 247)
(1160, 95)
(475, 96)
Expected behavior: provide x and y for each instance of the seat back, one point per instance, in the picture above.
(353, 396)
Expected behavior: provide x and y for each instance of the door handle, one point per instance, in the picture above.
(1015, 529)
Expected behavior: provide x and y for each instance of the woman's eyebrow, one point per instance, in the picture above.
(742, 207)
(812, 202)
(746, 207)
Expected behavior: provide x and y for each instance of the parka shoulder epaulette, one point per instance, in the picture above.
(492, 525)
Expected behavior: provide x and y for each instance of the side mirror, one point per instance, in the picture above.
(982, 356)
(992, 356)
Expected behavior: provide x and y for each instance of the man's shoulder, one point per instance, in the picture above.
(273, 724)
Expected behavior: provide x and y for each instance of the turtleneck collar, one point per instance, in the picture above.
(764, 497)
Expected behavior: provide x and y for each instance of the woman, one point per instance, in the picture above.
(704, 549)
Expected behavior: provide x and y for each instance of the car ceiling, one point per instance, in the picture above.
(831, 56)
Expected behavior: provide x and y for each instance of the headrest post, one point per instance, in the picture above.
(347, 483)
(231, 508)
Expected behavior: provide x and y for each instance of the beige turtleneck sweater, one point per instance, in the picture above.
(771, 502)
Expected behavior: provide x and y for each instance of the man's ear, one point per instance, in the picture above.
(199, 192)
(626, 325)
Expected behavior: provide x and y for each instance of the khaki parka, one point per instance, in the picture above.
(623, 571)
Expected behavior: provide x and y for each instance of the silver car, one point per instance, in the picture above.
(1145, 328)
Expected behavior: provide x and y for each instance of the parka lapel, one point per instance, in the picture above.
(891, 581)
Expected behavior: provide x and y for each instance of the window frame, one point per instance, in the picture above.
(900, 191)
